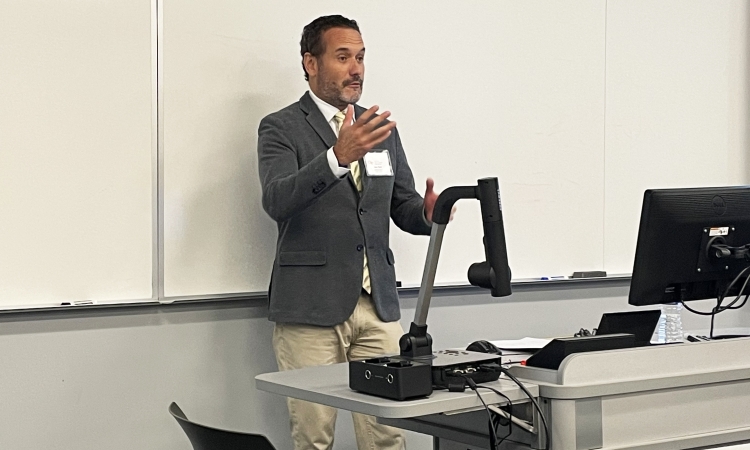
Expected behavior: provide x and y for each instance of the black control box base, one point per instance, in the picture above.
(393, 377)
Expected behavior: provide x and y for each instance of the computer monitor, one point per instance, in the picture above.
(692, 243)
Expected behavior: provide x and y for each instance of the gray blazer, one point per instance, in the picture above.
(325, 224)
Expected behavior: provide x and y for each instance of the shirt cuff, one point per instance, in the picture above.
(333, 163)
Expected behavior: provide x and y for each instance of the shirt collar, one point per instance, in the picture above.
(327, 110)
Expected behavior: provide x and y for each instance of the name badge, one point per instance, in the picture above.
(378, 164)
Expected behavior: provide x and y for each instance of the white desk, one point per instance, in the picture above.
(448, 416)
(329, 385)
(680, 396)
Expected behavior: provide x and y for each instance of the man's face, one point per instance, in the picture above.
(338, 74)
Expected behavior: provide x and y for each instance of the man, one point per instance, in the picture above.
(332, 183)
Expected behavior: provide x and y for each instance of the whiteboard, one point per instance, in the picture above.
(678, 109)
(75, 151)
(238, 67)
(518, 95)
(576, 108)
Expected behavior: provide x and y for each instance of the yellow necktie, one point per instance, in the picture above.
(339, 119)
(354, 167)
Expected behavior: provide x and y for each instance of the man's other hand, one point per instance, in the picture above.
(430, 197)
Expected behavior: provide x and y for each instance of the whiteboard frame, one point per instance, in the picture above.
(521, 285)
(157, 40)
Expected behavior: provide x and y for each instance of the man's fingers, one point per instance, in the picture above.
(348, 116)
(379, 140)
(370, 128)
(369, 120)
(380, 134)
(387, 127)
(375, 140)
(430, 185)
(367, 114)
(376, 121)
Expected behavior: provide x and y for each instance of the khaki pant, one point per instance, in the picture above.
(363, 335)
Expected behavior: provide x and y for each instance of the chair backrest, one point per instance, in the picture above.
(208, 438)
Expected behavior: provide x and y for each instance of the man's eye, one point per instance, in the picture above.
(342, 58)
(360, 58)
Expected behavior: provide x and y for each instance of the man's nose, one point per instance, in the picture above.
(356, 68)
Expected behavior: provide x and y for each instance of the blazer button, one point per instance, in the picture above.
(318, 187)
(361, 211)
(360, 248)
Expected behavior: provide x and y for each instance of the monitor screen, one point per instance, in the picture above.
(692, 243)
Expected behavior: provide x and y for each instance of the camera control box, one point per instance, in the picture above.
(393, 377)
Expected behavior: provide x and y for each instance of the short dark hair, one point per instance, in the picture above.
(312, 35)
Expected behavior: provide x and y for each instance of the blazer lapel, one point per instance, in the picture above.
(316, 120)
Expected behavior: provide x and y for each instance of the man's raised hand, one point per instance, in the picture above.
(356, 139)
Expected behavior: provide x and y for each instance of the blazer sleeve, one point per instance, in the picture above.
(407, 206)
(288, 189)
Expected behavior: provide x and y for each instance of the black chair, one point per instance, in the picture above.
(208, 438)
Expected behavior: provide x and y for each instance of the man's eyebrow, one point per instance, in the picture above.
(347, 49)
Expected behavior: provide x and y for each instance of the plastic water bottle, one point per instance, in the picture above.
(661, 329)
(670, 326)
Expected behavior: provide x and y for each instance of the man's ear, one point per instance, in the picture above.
(311, 64)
